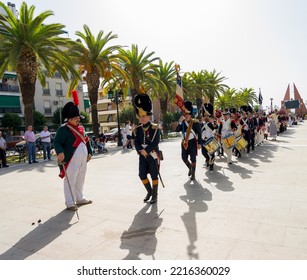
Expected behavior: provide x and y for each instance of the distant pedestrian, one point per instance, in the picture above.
(128, 133)
(3, 151)
(46, 143)
(30, 139)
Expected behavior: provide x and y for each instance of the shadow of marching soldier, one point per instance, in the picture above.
(141, 238)
(195, 198)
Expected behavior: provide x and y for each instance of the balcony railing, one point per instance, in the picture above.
(16, 110)
(47, 111)
(59, 92)
(10, 88)
(46, 91)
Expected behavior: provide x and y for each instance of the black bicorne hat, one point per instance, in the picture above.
(232, 110)
(71, 109)
(207, 109)
(243, 109)
(188, 107)
(143, 104)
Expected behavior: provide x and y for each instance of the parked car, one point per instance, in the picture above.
(22, 144)
(11, 141)
(112, 135)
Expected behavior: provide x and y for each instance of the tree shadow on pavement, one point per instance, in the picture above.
(39, 237)
(141, 238)
(195, 198)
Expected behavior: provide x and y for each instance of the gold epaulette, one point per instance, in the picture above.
(154, 125)
(195, 120)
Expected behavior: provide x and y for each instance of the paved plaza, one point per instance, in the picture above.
(254, 209)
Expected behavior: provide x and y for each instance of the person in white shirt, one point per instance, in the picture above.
(46, 143)
(128, 134)
(3, 151)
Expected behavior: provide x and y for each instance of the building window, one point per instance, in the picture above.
(46, 90)
(57, 75)
(47, 107)
(58, 89)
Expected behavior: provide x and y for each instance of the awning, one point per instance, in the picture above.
(86, 104)
(7, 101)
(9, 76)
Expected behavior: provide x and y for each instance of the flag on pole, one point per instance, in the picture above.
(260, 99)
(179, 90)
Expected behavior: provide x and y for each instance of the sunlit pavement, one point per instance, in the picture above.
(255, 208)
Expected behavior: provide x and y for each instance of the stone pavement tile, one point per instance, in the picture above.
(66, 246)
(298, 207)
(115, 250)
(230, 212)
(228, 228)
(296, 238)
(208, 248)
(268, 234)
(279, 218)
(261, 203)
(247, 250)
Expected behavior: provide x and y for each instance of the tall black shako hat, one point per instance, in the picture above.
(188, 105)
(207, 110)
(71, 109)
(143, 104)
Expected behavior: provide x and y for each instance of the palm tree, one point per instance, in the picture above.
(165, 92)
(95, 61)
(140, 69)
(228, 99)
(30, 47)
(198, 81)
(215, 85)
(247, 96)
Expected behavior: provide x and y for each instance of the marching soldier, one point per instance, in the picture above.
(191, 132)
(147, 137)
(208, 128)
(246, 127)
(225, 130)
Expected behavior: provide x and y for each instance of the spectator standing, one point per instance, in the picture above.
(128, 133)
(29, 137)
(46, 143)
(3, 151)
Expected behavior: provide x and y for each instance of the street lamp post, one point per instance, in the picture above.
(271, 105)
(60, 109)
(116, 97)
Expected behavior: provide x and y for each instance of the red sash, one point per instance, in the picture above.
(78, 132)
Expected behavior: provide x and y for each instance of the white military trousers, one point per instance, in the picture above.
(75, 174)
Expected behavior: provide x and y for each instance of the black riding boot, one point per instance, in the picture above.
(193, 168)
(149, 191)
(188, 164)
(154, 197)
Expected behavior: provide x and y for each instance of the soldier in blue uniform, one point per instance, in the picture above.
(147, 137)
(192, 141)
(208, 129)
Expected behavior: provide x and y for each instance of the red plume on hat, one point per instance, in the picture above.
(75, 97)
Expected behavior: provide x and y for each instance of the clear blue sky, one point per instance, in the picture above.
(254, 43)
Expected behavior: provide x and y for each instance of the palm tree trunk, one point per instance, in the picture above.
(94, 112)
(163, 108)
(198, 104)
(27, 92)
